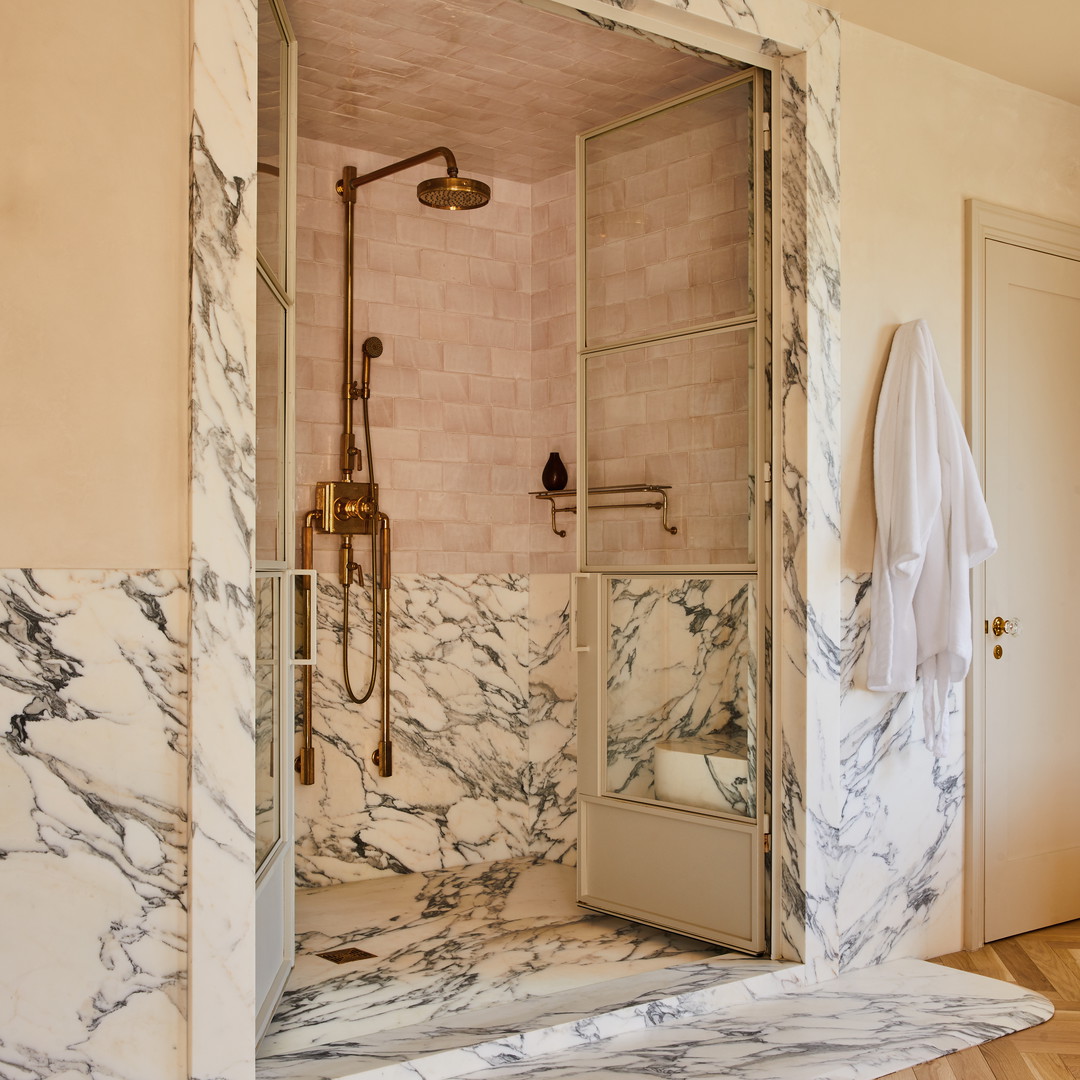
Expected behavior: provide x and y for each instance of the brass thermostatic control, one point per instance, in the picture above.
(345, 507)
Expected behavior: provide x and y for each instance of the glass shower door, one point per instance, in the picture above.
(671, 612)
(275, 319)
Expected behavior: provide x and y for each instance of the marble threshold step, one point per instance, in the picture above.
(702, 1021)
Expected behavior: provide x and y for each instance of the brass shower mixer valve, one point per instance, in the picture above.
(346, 508)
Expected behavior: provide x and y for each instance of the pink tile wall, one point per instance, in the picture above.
(449, 294)
(554, 366)
(667, 224)
(674, 414)
(477, 381)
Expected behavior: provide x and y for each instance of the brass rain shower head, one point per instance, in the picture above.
(450, 192)
(453, 192)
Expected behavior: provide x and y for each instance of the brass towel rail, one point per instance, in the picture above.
(661, 503)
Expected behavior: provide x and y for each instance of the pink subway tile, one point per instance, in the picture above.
(467, 477)
(441, 506)
(416, 292)
(470, 300)
(450, 387)
(421, 232)
(467, 239)
(443, 446)
(494, 509)
(417, 475)
(419, 415)
(472, 359)
(396, 444)
(444, 326)
(444, 266)
(466, 537)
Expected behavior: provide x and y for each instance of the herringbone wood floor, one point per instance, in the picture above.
(1046, 961)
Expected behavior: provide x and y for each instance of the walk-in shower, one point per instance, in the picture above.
(349, 507)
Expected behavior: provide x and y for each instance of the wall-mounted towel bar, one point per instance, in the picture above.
(661, 503)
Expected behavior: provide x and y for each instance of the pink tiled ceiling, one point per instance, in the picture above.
(504, 85)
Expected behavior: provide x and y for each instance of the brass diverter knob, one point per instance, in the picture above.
(347, 509)
(1005, 626)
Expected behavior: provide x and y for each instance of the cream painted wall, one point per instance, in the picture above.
(93, 284)
(919, 135)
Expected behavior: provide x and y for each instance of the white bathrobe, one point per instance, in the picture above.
(932, 528)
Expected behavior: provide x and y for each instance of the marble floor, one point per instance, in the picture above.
(492, 971)
(448, 941)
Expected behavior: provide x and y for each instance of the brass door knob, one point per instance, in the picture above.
(1005, 626)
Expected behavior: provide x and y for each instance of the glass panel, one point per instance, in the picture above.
(675, 414)
(270, 216)
(269, 404)
(667, 220)
(681, 691)
(267, 693)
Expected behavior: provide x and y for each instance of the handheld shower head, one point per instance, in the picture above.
(371, 348)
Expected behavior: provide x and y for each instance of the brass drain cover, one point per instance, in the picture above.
(346, 956)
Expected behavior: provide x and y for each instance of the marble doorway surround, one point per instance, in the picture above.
(801, 43)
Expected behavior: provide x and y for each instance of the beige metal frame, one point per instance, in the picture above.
(279, 860)
(589, 630)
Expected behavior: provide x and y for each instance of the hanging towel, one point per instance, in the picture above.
(932, 528)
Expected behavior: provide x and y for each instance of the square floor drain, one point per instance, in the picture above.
(346, 956)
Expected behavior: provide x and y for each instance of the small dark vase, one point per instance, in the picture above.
(554, 475)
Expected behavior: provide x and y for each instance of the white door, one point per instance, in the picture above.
(1032, 698)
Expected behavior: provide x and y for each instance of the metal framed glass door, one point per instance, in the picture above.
(671, 613)
(275, 319)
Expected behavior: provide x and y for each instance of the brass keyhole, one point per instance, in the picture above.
(999, 652)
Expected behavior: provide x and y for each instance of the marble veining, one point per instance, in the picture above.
(451, 941)
(93, 836)
(459, 692)
(901, 871)
(680, 667)
(221, 1006)
(551, 773)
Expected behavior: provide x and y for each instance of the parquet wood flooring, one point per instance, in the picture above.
(1046, 961)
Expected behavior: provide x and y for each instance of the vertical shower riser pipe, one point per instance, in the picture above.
(349, 453)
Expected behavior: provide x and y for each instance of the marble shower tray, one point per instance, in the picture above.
(707, 1018)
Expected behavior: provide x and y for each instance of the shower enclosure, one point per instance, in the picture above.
(671, 612)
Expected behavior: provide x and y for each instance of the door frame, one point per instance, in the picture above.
(984, 221)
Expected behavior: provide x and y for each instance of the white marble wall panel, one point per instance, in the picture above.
(900, 847)
(483, 728)
(459, 686)
(221, 1009)
(93, 826)
(680, 667)
(551, 778)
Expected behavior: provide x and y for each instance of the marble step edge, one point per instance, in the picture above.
(653, 1011)
(861, 1025)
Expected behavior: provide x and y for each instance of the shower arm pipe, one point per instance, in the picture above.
(347, 187)
(305, 759)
